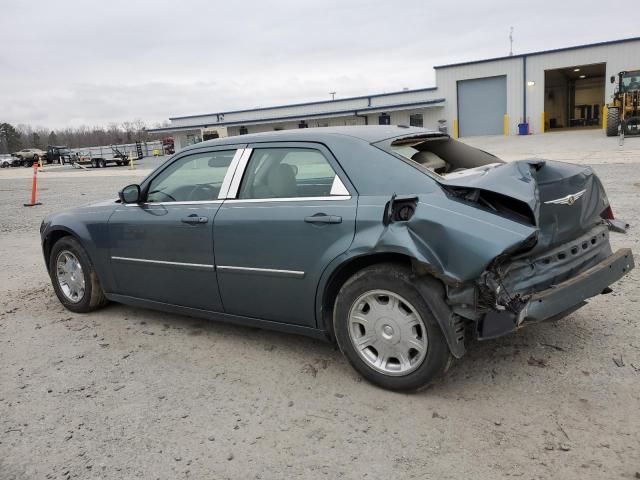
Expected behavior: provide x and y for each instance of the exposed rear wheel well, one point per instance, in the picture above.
(346, 271)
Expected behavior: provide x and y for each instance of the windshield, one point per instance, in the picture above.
(631, 81)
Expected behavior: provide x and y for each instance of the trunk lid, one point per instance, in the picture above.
(564, 200)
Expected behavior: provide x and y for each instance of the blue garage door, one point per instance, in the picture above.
(482, 103)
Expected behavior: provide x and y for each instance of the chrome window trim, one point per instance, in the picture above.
(338, 188)
(238, 173)
(289, 199)
(164, 262)
(261, 271)
(226, 182)
(190, 202)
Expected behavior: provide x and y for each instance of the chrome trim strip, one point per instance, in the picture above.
(192, 202)
(291, 199)
(164, 262)
(226, 182)
(238, 173)
(261, 271)
(338, 188)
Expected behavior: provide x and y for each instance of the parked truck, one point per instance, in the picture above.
(60, 154)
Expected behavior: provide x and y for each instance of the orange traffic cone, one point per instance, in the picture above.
(34, 187)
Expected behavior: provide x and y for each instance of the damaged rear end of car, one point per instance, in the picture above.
(512, 243)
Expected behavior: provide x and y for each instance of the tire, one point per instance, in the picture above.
(101, 163)
(92, 297)
(393, 281)
(613, 122)
(26, 163)
(36, 158)
(119, 163)
(94, 163)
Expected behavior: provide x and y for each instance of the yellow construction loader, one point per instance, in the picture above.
(623, 117)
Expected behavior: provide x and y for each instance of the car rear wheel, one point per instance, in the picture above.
(101, 163)
(94, 164)
(386, 330)
(73, 277)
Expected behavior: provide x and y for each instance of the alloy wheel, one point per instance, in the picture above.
(70, 276)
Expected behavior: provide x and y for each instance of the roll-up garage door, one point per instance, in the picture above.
(482, 103)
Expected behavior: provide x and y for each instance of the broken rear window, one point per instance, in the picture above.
(439, 154)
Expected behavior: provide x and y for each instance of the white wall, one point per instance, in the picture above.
(447, 81)
(617, 57)
(620, 56)
(327, 107)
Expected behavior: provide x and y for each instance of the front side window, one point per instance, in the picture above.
(193, 178)
(289, 173)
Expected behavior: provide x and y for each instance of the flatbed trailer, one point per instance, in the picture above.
(99, 157)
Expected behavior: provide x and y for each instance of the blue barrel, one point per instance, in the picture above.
(523, 129)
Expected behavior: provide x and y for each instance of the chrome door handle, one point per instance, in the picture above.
(322, 218)
(194, 220)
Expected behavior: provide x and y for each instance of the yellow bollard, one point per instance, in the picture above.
(542, 122)
(131, 164)
(455, 128)
(41, 166)
(505, 124)
(605, 112)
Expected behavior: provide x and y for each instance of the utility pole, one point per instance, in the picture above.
(333, 95)
(511, 41)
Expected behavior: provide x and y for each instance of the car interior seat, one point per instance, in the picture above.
(281, 181)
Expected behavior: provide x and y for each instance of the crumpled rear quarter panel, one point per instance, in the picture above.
(456, 239)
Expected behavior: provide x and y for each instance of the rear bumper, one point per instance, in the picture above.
(560, 299)
(571, 293)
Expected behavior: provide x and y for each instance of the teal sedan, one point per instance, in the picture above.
(400, 244)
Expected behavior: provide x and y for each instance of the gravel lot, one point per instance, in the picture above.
(131, 393)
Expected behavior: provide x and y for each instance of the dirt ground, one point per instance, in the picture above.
(130, 393)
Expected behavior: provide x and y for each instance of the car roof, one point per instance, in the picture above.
(365, 133)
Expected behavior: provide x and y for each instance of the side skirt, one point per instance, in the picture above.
(220, 317)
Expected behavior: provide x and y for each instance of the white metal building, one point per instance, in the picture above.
(548, 90)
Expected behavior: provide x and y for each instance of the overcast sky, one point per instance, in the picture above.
(71, 62)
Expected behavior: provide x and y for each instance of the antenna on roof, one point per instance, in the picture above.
(333, 95)
(510, 41)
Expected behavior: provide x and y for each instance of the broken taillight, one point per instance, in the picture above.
(607, 213)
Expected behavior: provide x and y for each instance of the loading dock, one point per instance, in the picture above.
(574, 96)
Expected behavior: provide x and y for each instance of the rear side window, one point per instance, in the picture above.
(287, 173)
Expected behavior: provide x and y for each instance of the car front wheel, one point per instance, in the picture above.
(386, 330)
(73, 277)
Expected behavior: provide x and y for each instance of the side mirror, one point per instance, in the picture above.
(612, 79)
(130, 194)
